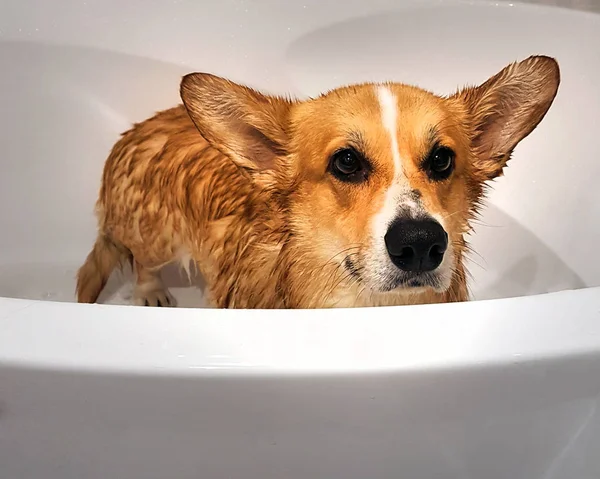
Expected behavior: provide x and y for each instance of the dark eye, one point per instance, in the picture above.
(347, 165)
(440, 163)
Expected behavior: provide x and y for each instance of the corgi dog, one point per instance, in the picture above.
(359, 197)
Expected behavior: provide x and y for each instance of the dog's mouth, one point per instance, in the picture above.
(415, 281)
(399, 280)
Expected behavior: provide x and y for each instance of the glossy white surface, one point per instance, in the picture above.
(505, 388)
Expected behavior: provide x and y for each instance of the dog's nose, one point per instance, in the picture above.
(416, 245)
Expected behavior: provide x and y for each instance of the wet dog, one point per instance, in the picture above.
(360, 197)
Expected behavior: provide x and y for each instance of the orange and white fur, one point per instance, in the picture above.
(360, 197)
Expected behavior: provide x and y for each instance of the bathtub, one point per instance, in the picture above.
(505, 386)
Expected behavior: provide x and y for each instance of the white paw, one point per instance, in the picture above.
(157, 296)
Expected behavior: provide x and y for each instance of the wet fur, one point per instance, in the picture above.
(235, 182)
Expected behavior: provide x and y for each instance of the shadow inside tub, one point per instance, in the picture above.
(509, 260)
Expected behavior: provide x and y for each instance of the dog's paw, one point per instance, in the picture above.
(155, 297)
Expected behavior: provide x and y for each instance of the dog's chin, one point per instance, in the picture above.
(399, 281)
(414, 283)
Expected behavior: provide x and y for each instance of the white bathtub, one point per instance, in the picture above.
(507, 386)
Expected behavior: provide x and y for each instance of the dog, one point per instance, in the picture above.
(359, 197)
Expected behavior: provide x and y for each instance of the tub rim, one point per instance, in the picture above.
(122, 339)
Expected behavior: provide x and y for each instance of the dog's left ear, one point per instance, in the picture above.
(242, 123)
(507, 108)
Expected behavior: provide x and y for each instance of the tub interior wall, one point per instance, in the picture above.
(76, 82)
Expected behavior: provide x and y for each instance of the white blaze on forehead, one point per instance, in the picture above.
(389, 119)
(388, 104)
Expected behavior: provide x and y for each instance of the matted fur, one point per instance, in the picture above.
(238, 182)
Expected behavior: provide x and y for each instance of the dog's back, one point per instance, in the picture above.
(164, 191)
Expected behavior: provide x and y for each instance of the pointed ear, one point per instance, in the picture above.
(507, 108)
(242, 123)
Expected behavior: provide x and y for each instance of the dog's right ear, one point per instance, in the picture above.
(242, 123)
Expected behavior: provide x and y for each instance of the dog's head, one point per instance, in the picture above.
(381, 179)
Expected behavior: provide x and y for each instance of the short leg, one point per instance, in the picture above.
(149, 289)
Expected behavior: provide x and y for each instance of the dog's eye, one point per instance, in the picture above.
(440, 163)
(347, 165)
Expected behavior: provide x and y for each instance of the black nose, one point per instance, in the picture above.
(416, 245)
